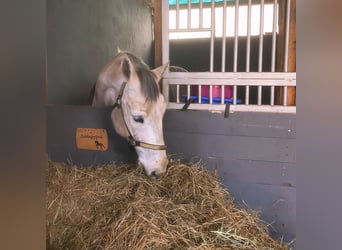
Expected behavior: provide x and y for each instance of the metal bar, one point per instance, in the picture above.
(177, 14)
(234, 94)
(285, 96)
(232, 75)
(236, 35)
(224, 27)
(222, 94)
(289, 78)
(261, 36)
(274, 31)
(272, 96)
(237, 82)
(259, 94)
(189, 14)
(247, 95)
(188, 92)
(212, 36)
(211, 94)
(177, 93)
(200, 13)
(199, 94)
(237, 108)
(287, 31)
(166, 91)
(249, 24)
(238, 78)
(190, 30)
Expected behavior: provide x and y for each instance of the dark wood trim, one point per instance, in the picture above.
(291, 91)
(291, 66)
(158, 42)
(46, 78)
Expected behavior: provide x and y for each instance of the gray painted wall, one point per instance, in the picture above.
(254, 154)
(83, 35)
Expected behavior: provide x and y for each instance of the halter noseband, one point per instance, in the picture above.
(131, 141)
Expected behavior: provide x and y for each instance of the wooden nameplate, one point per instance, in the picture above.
(92, 139)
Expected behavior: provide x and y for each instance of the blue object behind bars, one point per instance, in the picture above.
(173, 2)
(216, 100)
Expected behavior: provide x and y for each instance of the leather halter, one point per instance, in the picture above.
(131, 141)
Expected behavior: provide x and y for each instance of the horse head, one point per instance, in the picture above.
(127, 84)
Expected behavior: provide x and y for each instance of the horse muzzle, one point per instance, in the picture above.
(156, 170)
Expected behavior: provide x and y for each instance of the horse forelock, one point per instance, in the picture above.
(148, 84)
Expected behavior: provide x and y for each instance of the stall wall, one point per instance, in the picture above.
(254, 154)
(83, 35)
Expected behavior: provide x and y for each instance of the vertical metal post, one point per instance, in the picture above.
(259, 94)
(274, 32)
(247, 95)
(249, 24)
(272, 96)
(261, 36)
(285, 96)
(261, 41)
(234, 94)
(224, 28)
(211, 94)
(222, 94)
(189, 14)
(177, 93)
(188, 92)
(177, 14)
(200, 14)
(287, 32)
(248, 46)
(166, 91)
(212, 35)
(236, 35)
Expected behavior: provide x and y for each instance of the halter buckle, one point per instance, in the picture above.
(131, 141)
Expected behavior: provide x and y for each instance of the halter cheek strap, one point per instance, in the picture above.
(131, 141)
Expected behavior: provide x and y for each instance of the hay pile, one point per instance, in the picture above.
(117, 207)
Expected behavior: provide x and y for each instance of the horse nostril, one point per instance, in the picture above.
(154, 175)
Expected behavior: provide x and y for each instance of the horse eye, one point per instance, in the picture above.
(138, 118)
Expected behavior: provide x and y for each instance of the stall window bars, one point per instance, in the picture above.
(219, 19)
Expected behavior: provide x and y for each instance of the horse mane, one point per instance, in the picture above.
(148, 84)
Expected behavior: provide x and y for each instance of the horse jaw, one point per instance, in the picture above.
(118, 123)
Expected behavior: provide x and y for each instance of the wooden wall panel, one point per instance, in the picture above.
(62, 122)
(232, 147)
(238, 124)
(254, 154)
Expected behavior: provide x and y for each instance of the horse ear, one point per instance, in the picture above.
(159, 72)
(118, 49)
